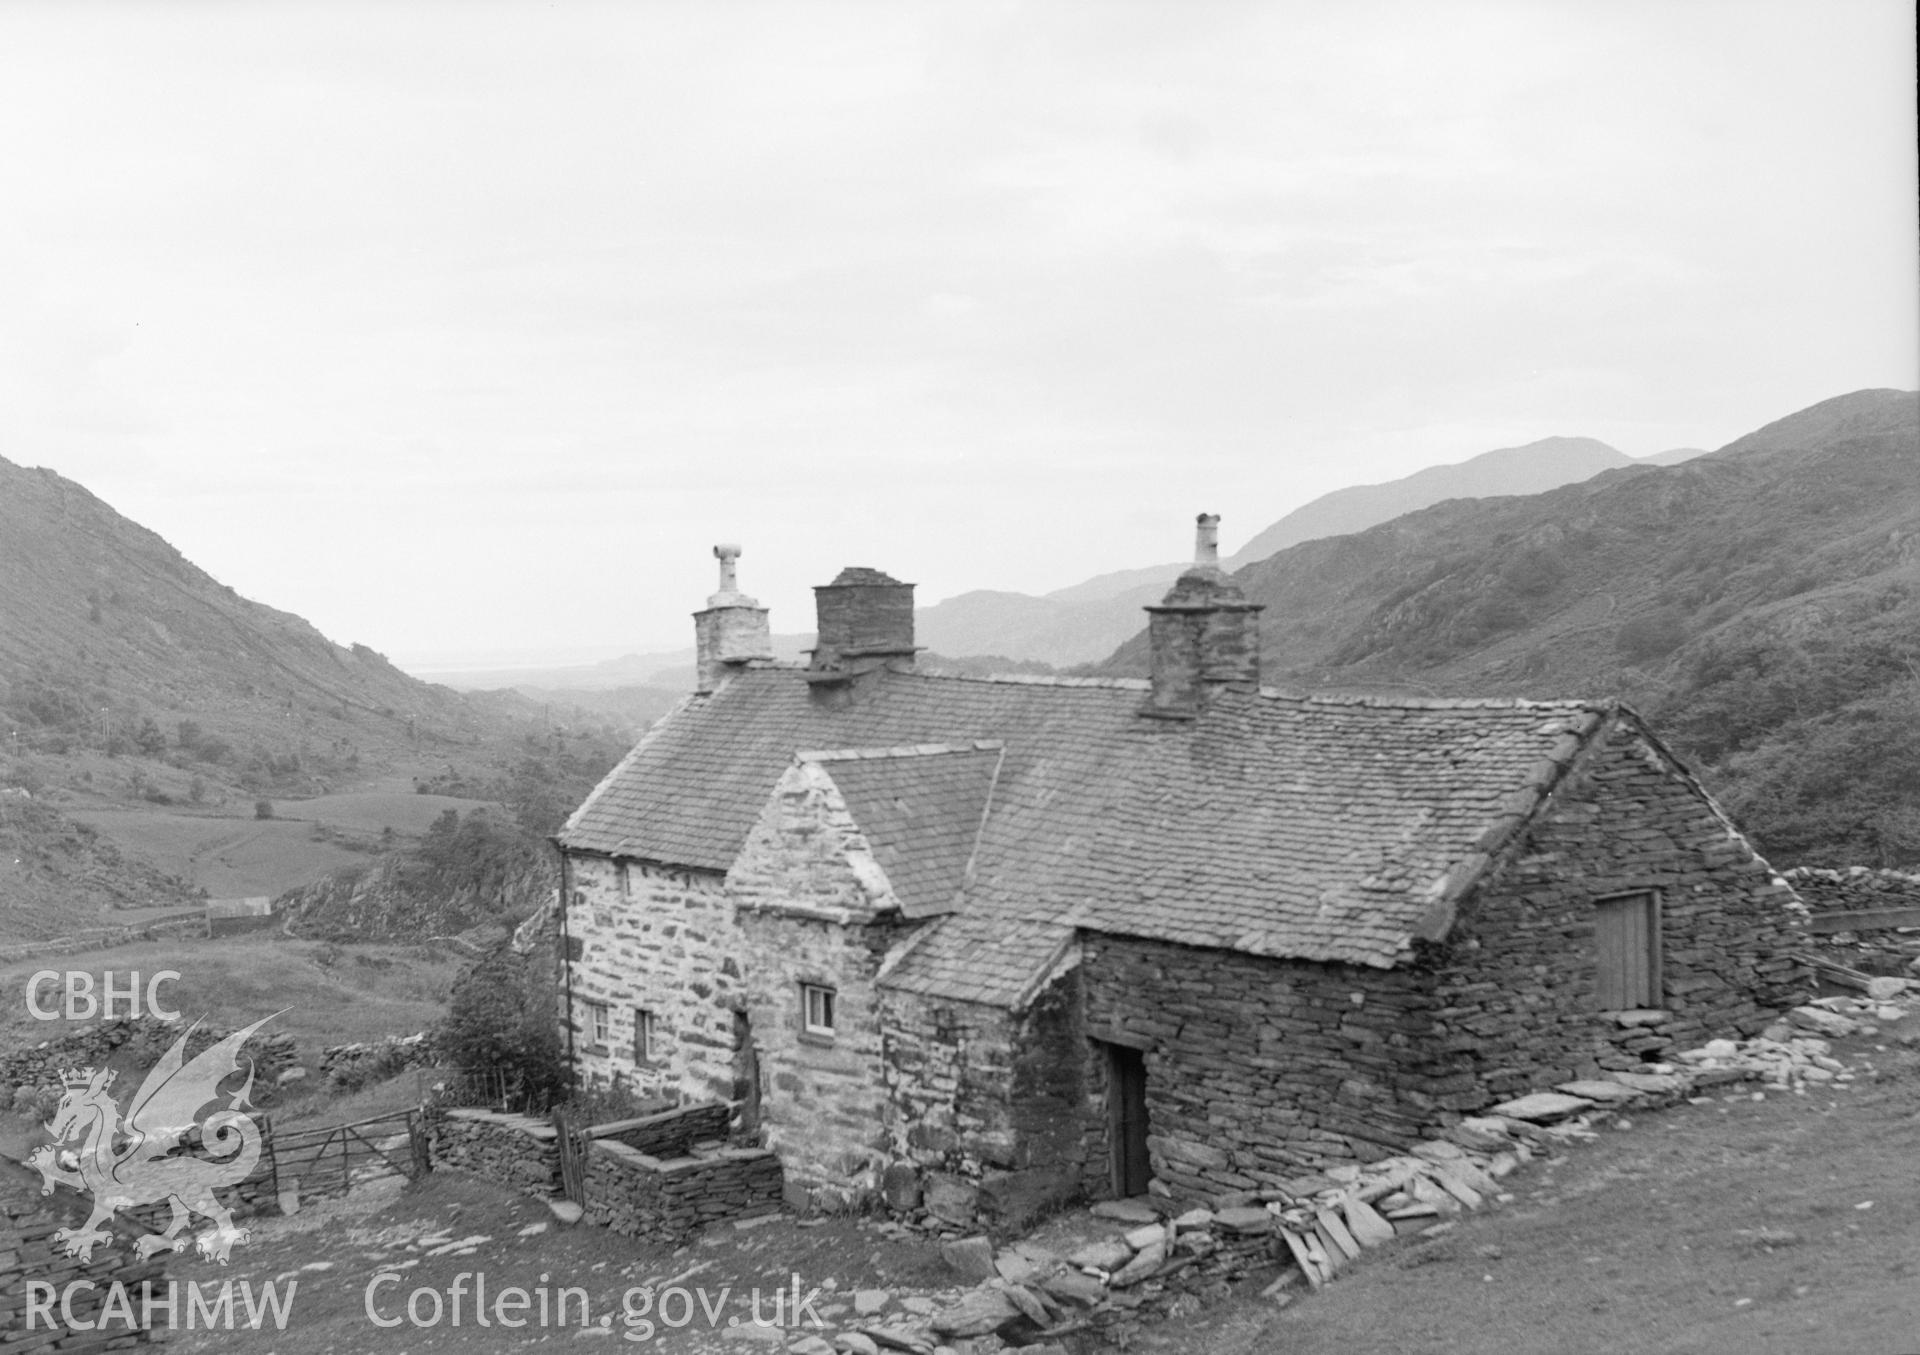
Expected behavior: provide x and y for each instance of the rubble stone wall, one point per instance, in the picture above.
(670, 1133)
(27, 1254)
(667, 1199)
(824, 1107)
(142, 1040)
(807, 891)
(515, 1150)
(1258, 1069)
(664, 941)
(1515, 1002)
(1856, 888)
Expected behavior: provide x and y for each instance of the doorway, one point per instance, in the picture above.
(746, 1076)
(1127, 1120)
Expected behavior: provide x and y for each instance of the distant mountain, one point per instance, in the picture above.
(1862, 414)
(670, 671)
(104, 626)
(1672, 458)
(130, 677)
(1120, 583)
(1541, 465)
(1760, 603)
(1020, 626)
(1083, 623)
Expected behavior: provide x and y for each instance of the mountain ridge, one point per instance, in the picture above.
(1761, 604)
(1083, 622)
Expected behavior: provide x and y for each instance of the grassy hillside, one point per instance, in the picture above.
(59, 876)
(1760, 604)
(142, 698)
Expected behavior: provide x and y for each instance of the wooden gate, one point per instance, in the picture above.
(333, 1159)
(573, 1157)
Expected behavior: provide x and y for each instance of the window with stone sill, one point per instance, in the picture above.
(599, 1023)
(646, 1036)
(818, 1009)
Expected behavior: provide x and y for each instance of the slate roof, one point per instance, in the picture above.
(979, 957)
(1275, 824)
(921, 810)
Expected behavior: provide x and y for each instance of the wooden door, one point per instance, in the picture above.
(1627, 952)
(1127, 1117)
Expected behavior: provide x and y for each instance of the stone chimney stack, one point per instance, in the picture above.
(1204, 635)
(732, 631)
(866, 622)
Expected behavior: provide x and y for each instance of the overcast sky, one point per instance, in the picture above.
(465, 330)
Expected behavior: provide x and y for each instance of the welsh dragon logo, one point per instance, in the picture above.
(133, 1162)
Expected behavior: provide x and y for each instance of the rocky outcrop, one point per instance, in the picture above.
(394, 901)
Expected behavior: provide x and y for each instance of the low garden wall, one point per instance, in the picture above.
(659, 1176)
(27, 1219)
(671, 1133)
(515, 1150)
(667, 1199)
(41, 1068)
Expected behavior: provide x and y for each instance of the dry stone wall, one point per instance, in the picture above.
(141, 1042)
(670, 1133)
(689, 1179)
(1854, 889)
(668, 1199)
(1259, 1068)
(515, 1150)
(27, 1254)
(1515, 998)
(1875, 951)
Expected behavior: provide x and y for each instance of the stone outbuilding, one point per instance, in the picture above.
(1014, 940)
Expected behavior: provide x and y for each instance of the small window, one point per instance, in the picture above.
(626, 880)
(817, 1008)
(1626, 935)
(646, 1036)
(599, 1022)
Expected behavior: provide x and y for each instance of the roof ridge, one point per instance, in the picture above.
(1558, 703)
(1037, 680)
(899, 751)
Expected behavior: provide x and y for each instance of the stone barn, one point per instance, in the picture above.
(1014, 940)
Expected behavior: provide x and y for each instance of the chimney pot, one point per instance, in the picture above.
(1204, 636)
(1206, 540)
(726, 553)
(732, 631)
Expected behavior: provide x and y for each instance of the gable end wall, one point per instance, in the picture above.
(1515, 980)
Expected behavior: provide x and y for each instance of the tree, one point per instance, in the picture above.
(502, 1017)
(149, 739)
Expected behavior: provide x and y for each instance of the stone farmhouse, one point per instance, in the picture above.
(1016, 940)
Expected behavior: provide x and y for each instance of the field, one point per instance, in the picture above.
(334, 994)
(231, 854)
